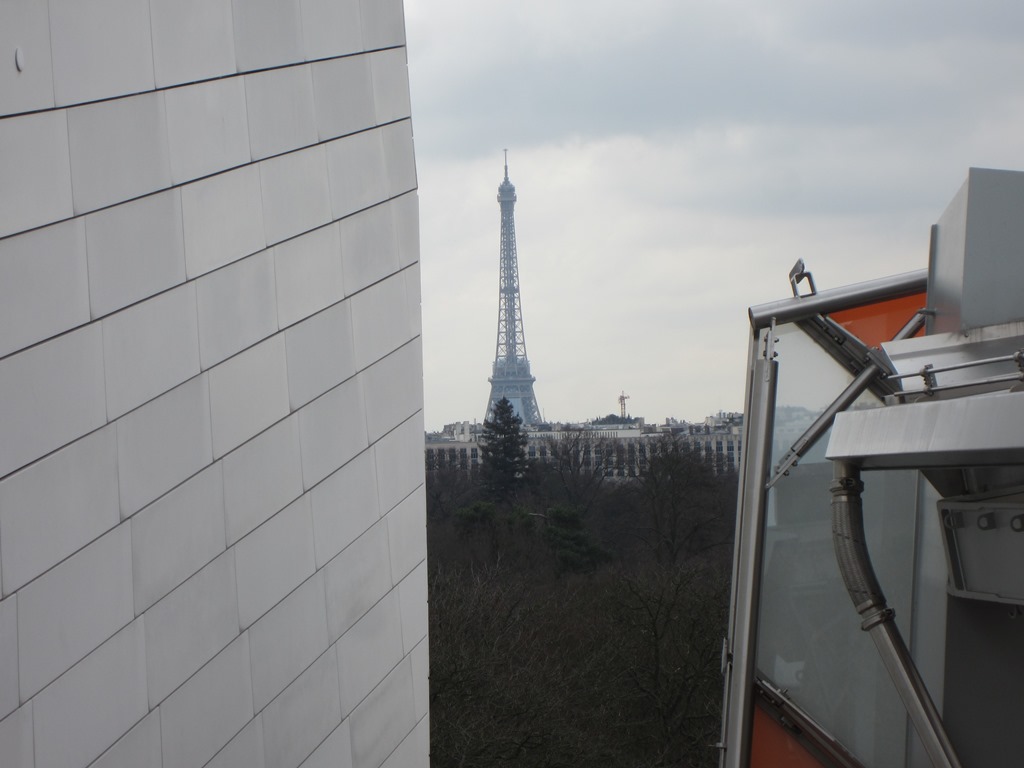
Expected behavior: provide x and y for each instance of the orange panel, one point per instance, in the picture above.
(774, 747)
(879, 322)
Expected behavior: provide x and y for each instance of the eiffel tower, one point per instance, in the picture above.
(511, 376)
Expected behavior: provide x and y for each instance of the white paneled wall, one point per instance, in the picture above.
(212, 544)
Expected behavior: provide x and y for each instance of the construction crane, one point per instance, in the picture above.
(623, 397)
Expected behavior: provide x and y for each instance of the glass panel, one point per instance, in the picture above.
(810, 642)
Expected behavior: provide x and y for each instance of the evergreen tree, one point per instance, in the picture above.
(503, 461)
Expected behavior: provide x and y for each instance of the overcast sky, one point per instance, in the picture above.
(672, 160)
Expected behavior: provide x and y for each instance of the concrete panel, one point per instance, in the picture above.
(9, 698)
(356, 580)
(357, 172)
(207, 126)
(135, 250)
(119, 150)
(405, 210)
(273, 560)
(420, 658)
(192, 40)
(331, 27)
(56, 506)
(177, 535)
(303, 715)
(412, 598)
(381, 321)
(16, 739)
(237, 307)
(394, 389)
(296, 195)
(150, 348)
(190, 626)
(407, 533)
(139, 748)
(163, 443)
(384, 718)
(400, 159)
(369, 650)
(340, 116)
(44, 285)
(287, 639)
(93, 704)
(209, 709)
(334, 752)
(100, 49)
(383, 23)
(243, 751)
(280, 109)
(223, 219)
(332, 430)
(319, 354)
(344, 506)
(261, 478)
(25, 27)
(248, 393)
(399, 458)
(369, 247)
(50, 395)
(69, 611)
(268, 33)
(390, 85)
(37, 178)
(309, 274)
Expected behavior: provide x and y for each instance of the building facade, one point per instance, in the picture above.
(212, 547)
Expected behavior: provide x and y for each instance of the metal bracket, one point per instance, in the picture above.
(798, 273)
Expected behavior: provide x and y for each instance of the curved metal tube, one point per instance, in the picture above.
(866, 593)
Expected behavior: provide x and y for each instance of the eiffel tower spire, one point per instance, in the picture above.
(511, 376)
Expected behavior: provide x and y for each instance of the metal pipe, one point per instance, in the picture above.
(878, 618)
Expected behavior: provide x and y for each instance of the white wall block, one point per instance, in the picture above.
(192, 40)
(243, 751)
(237, 307)
(334, 752)
(9, 697)
(303, 715)
(163, 443)
(319, 353)
(49, 395)
(223, 219)
(407, 533)
(177, 535)
(118, 150)
(25, 25)
(139, 748)
(150, 348)
(209, 709)
(383, 23)
(280, 109)
(273, 560)
(37, 178)
(413, 300)
(309, 274)
(268, 33)
(399, 463)
(44, 284)
(135, 250)
(296, 194)
(356, 580)
(384, 718)
(390, 85)
(207, 127)
(248, 393)
(332, 430)
(368, 651)
(410, 753)
(261, 478)
(349, 75)
(16, 739)
(405, 210)
(399, 157)
(369, 247)
(381, 320)
(190, 626)
(412, 598)
(100, 49)
(394, 389)
(344, 506)
(70, 610)
(56, 506)
(357, 172)
(287, 639)
(331, 27)
(93, 704)
(420, 658)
